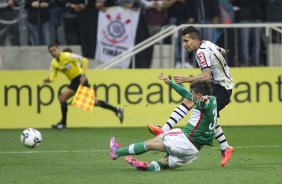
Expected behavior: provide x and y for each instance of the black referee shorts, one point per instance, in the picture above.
(76, 82)
(222, 96)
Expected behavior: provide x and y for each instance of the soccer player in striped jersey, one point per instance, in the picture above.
(181, 145)
(74, 67)
(214, 69)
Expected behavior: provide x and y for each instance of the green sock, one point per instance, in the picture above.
(156, 166)
(133, 149)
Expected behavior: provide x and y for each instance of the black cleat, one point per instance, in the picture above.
(59, 126)
(119, 114)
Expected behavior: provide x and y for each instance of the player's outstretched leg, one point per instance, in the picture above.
(133, 149)
(145, 166)
(178, 114)
(136, 163)
(118, 110)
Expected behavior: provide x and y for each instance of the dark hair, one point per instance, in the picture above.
(67, 50)
(52, 45)
(201, 86)
(192, 31)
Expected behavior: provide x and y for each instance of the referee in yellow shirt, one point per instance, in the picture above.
(74, 67)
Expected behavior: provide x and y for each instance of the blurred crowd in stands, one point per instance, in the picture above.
(68, 22)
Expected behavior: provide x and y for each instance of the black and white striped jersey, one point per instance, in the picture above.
(210, 56)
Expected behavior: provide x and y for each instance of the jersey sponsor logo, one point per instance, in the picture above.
(202, 60)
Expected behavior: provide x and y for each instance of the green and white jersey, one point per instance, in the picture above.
(200, 127)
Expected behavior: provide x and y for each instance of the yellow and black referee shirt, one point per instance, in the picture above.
(70, 64)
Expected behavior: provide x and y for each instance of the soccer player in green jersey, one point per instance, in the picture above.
(214, 69)
(181, 145)
(74, 67)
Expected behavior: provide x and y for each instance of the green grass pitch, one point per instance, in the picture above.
(81, 156)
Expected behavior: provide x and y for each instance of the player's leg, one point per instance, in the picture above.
(148, 166)
(180, 151)
(178, 114)
(223, 99)
(117, 110)
(136, 148)
(63, 98)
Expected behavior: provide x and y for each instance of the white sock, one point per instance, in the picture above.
(178, 114)
(219, 136)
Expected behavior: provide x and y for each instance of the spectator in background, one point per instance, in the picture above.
(177, 15)
(251, 11)
(87, 20)
(127, 3)
(204, 12)
(103, 4)
(79, 18)
(9, 22)
(56, 25)
(227, 15)
(71, 26)
(38, 21)
(154, 15)
(223, 34)
(273, 9)
(227, 12)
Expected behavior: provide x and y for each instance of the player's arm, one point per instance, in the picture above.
(181, 90)
(205, 75)
(204, 61)
(53, 75)
(84, 64)
(178, 88)
(84, 67)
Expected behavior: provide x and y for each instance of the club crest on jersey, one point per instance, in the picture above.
(202, 60)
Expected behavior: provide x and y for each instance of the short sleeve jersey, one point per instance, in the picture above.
(200, 127)
(209, 56)
(70, 64)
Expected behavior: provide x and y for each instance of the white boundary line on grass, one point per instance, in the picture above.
(85, 151)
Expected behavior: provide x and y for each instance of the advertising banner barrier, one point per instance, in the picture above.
(26, 102)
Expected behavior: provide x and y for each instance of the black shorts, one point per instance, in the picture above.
(76, 82)
(222, 96)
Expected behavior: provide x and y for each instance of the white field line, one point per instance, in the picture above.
(95, 150)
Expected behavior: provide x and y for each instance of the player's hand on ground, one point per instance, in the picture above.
(179, 79)
(164, 78)
(46, 81)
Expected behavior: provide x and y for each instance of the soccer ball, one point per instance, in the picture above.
(31, 137)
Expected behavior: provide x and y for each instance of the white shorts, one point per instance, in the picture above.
(179, 148)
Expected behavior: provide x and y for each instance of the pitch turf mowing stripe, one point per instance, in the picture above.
(82, 151)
